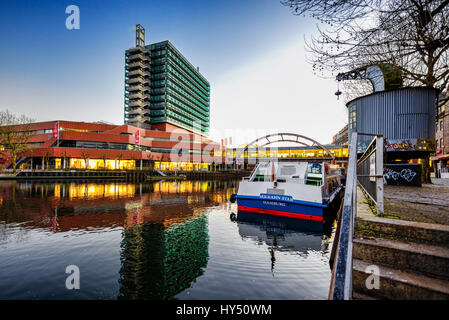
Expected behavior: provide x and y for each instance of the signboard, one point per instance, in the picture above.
(403, 174)
(409, 145)
(56, 130)
(137, 137)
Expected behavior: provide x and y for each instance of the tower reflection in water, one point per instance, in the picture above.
(167, 250)
(158, 262)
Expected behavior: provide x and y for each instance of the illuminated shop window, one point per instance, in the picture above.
(58, 163)
(76, 163)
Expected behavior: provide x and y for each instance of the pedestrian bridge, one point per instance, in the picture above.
(300, 148)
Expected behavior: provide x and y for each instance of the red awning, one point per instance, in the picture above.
(441, 157)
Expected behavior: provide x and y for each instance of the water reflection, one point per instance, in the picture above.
(159, 262)
(73, 206)
(284, 234)
(158, 240)
(164, 242)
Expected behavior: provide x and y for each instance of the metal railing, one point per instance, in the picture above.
(341, 256)
(370, 171)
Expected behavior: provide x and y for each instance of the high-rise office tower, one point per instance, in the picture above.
(163, 90)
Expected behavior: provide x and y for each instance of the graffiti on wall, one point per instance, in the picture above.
(410, 145)
(401, 145)
(402, 174)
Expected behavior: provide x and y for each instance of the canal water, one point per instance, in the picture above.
(161, 240)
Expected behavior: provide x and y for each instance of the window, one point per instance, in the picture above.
(352, 117)
(263, 172)
(441, 125)
(441, 143)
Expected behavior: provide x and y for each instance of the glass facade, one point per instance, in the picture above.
(164, 87)
(180, 95)
(289, 152)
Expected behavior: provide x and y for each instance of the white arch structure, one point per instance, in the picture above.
(285, 137)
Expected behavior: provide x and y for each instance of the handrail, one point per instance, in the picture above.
(374, 185)
(341, 282)
(341, 286)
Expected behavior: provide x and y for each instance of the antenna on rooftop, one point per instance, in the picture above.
(140, 36)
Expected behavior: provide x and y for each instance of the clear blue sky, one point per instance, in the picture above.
(49, 72)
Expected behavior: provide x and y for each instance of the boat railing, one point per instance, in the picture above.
(306, 181)
(341, 256)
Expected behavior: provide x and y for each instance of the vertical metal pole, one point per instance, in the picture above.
(140, 149)
(379, 175)
(353, 213)
(59, 129)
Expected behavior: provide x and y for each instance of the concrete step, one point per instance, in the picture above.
(428, 260)
(398, 285)
(361, 296)
(401, 230)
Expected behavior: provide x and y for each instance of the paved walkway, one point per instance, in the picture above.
(430, 203)
(442, 182)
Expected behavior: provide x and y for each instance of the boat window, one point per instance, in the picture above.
(288, 170)
(314, 168)
(314, 175)
(263, 173)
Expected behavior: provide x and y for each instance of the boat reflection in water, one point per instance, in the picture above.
(285, 234)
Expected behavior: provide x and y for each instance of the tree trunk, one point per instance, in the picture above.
(426, 170)
(14, 163)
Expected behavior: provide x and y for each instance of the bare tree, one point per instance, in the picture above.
(15, 134)
(66, 159)
(151, 161)
(119, 158)
(46, 160)
(85, 155)
(104, 158)
(413, 35)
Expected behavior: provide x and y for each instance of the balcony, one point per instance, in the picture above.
(136, 51)
(135, 81)
(140, 114)
(138, 88)
(140, 110)
(138, 122)
(138, 104)
(138, 72)
(138, 64)
(137, 57)
(138, 96)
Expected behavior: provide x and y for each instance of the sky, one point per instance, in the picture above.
(251, 51)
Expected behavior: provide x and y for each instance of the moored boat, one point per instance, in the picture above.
(298, 190)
